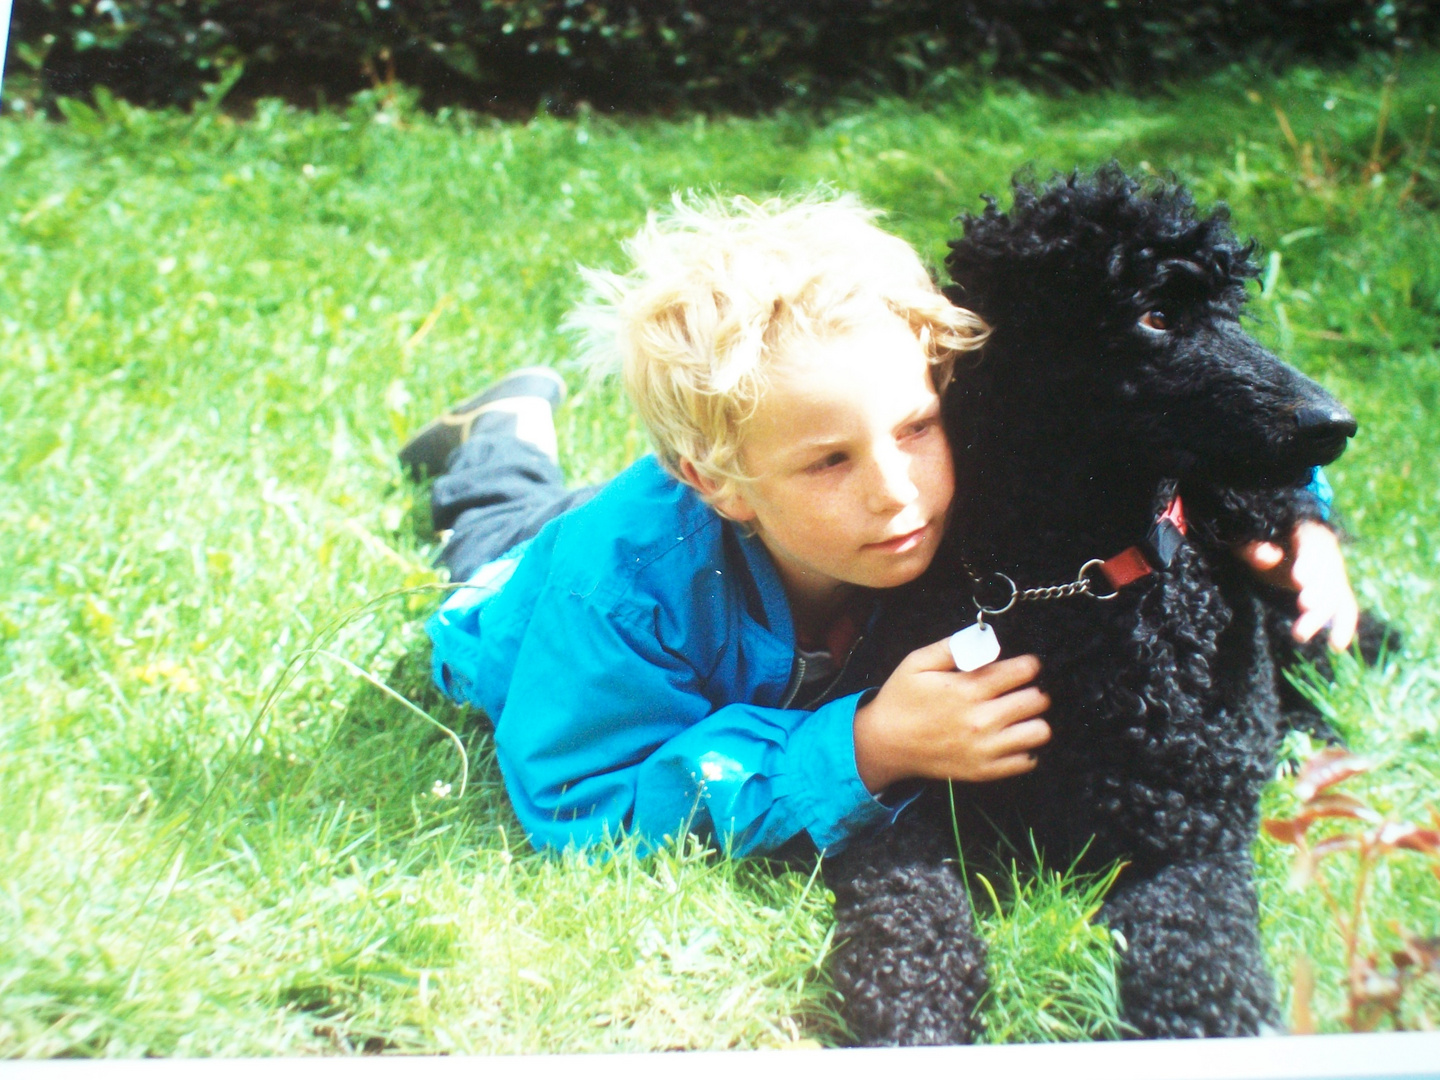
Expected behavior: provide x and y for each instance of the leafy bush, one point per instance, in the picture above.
(500, 54)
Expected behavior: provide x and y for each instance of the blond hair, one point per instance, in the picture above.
(722, 289)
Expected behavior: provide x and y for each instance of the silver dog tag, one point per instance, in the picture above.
(974, 647)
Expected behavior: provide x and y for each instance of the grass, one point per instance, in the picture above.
(213, 335)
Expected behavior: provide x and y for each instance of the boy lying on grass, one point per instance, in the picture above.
(659, 658)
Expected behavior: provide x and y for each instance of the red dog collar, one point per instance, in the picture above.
(1159, 549)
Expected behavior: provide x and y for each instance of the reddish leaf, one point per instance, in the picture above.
(1422, 840)
(1402, 834)
(1333, 805)
(1338, 804)
(1327, 768)
(1286, 830)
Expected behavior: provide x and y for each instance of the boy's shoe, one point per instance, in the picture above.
(431, 448)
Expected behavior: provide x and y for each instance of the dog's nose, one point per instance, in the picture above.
(1324, 429)
(1325, 422)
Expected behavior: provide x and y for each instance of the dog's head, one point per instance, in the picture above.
(1115, 308)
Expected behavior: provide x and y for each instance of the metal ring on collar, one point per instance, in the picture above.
(1014, 593)
(1095, 564)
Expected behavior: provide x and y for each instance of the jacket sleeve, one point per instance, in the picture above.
(603, 731)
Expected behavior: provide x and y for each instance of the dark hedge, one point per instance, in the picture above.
(660, 53)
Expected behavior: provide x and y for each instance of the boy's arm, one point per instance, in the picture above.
(757, 777)
(605, 731)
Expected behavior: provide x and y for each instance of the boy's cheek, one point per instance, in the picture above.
(943, 483)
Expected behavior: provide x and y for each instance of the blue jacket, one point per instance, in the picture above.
(638, 661)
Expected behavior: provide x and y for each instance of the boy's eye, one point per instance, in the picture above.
(1155, 320)
(919, 427)
(829, 461)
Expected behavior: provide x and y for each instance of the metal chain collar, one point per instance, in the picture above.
(1081, 586)
(1173, 517)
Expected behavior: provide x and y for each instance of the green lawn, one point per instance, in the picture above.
(213, 334)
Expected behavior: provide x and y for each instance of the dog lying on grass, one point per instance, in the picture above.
(1119, 433)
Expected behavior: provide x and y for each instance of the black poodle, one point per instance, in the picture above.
(1118, 433)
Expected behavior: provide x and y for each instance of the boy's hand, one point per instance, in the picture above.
(1313, 566)
(932, 721)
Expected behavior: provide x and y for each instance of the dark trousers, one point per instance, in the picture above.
(497, 490)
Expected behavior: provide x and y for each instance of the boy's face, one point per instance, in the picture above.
(852, 471)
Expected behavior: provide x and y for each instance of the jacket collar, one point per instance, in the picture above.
(769, 606)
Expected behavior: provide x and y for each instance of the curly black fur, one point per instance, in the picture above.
(1071, 433)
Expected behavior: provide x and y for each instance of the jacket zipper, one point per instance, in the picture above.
(797, 679)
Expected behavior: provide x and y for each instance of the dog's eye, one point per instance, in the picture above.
(1155, 320)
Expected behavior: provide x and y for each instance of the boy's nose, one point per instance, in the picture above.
(893, 487)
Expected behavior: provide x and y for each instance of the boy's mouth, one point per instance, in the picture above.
(898, 545)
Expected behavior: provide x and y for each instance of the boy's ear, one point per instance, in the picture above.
(731, 504)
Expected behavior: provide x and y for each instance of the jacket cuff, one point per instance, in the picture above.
(837, 805)
(1324, 495)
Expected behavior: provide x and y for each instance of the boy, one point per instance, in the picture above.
(658, 659)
